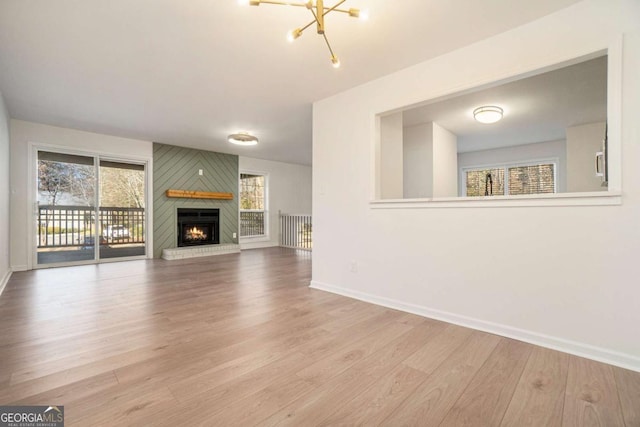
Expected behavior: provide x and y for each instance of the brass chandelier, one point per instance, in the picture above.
(319, 11)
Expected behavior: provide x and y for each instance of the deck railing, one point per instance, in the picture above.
(251, 223)
(65, 226)
(295, 231)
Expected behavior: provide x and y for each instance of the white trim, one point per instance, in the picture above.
(258, 244)
(5, 280)
(614, 113)
(588, 351)
(256, 238)
(148, 238)
(32, 186)
(22, 267)
(92, 153)
(604, 198)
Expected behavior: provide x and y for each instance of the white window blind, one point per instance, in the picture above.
(538, 178)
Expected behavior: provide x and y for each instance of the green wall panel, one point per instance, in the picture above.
(177, 168)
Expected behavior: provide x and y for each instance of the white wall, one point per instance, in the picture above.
(23, 135)
(429, 161)
(289, 191)
(5, 268)
(445, 162)
(391, 157)
(417, 165)
(582, 144)
(519, 153)
(572, 284)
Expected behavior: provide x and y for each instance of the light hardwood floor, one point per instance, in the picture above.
(241, 340)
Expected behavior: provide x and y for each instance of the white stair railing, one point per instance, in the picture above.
(295, 231)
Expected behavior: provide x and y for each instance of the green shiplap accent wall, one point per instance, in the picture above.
(177, 168)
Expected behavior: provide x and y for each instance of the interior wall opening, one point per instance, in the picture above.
(541, 134)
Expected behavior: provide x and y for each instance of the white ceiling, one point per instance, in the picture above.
(536, 109)
(189, 72)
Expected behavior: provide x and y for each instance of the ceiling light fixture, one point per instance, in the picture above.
(242, 138)
(318, 11)
(487, 114)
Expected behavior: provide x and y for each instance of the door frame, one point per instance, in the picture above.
(97, 155)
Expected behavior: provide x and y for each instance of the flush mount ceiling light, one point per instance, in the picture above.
(487, 114)
(318, 11)
(242, 138)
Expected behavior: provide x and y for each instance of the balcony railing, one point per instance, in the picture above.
(295, 231)
(251, 223)
(66, 226)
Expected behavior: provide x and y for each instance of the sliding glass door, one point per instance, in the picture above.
(66, 208)
(89, 208)
(122, 215)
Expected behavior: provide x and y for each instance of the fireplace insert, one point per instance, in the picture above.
(198, 226)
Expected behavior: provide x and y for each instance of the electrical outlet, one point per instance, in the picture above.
(234, 235)
(353, 266)
(200, 172)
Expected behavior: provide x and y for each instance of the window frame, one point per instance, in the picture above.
(462, 187)
(265, 210)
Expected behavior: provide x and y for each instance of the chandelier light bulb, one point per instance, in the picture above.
(335, 61)
(361, 14)
(294, 34)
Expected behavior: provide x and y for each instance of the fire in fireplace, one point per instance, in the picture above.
(198, 226)
(195, 233)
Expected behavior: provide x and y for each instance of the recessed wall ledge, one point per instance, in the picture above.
(596, 198)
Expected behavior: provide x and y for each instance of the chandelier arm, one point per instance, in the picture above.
(337, 10)
(315, 17)
(328, 45)
(284, 3)
(318, 18)
(308, 25)
(333, 8)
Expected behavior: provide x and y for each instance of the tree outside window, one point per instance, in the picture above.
(252, 205)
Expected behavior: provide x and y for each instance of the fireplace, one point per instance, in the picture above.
(198, 227)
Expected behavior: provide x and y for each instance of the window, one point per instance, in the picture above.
(253, 205)
(485, 182)
(516, 179)
(532, 179)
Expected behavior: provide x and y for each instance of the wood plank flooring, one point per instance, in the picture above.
(240, 340)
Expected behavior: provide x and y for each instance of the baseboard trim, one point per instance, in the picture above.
(588, 351)
(4, 281)
(19, 268)
(257, 245)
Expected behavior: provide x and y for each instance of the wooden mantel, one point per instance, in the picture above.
(187, 194)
